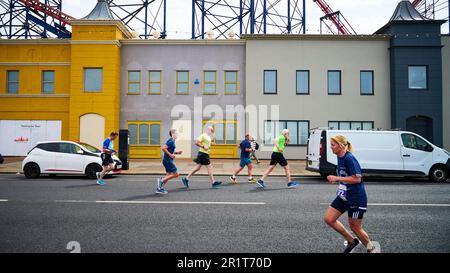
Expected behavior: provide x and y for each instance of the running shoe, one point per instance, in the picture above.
(251, 180)
(351, 246)
(101, 182)
(260, 183)
(292, 185)
(376, 248)
(216, 184)
(185, 182)
(233, 180)
(161, 191)
(160, 183)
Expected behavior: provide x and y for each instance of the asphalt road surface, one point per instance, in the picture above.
(55, 214)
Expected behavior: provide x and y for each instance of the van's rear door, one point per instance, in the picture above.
(313, 154)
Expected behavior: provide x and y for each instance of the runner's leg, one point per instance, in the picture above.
(331, 218)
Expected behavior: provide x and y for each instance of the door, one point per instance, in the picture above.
(184, 129)
(416, 153)
(92, 129)
(69, 159)
(421, 125)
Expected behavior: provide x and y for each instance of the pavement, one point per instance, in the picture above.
(51, 214)
(13, 165)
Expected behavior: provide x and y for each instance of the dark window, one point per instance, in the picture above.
(418, 77)
(334, 82)
(49, 147)
(351, 125)
(298, 131)
(366, 83)
(414, 142)
(302, 82)
(270, 82)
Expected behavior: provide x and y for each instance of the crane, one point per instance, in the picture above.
(342, 25)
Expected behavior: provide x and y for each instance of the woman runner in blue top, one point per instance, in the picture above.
(351, 196)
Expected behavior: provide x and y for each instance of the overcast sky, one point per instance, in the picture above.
(365, 16)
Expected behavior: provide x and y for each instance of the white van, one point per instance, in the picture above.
(381, 153)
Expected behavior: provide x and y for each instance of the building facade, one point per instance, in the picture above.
(103, 80)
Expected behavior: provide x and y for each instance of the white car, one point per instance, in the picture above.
(381, 153)
(65, 157)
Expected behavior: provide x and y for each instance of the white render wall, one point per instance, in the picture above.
(350, 55)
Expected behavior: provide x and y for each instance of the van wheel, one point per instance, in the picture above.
(438, 173)
(32, 170)
(92, 169)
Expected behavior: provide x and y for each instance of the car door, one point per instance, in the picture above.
(69, 159)
(44, 155)
(417, 154)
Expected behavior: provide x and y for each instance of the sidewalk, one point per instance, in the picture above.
(154, 166)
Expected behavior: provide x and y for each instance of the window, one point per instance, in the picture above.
(302, 79)
(48, 82)
(134, 82)
(144, 133)
(366, 83)
(93, 79)
(209, 83)
(270, 82)
(334, 82)
(231, 82)
(68, 148)
(415, 142)
(351, 125)
(418, 77)
(13, 82)
(224, 131)
(154, 82)
(298, 131)
(182, 87)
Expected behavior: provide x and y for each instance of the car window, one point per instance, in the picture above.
(67, 148)
(414, 142)
(49, 147)
(77, 149)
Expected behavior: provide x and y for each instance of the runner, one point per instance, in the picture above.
(351, 196)
(169, 155)
(107, 161)
(255, 146)
(204, 144)
(246, 149)
(278, 158)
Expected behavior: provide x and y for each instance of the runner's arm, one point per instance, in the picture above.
(354, 179)
(164, 148)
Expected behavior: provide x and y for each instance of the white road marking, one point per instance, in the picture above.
(403, 204)
(161, 202)
(3, 200)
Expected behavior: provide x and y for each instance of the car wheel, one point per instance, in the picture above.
(32, 170)
(92, 169)
(438, 174)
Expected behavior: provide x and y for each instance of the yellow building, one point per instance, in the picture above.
(62, 88)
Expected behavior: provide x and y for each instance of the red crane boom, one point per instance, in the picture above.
(334, 17)
(50, 11)
(415, 3)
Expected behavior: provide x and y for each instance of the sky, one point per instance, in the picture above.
(365, 16)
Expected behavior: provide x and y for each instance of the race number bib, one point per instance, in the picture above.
(342, 192)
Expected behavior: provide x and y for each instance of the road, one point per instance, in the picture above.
(45, 214)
